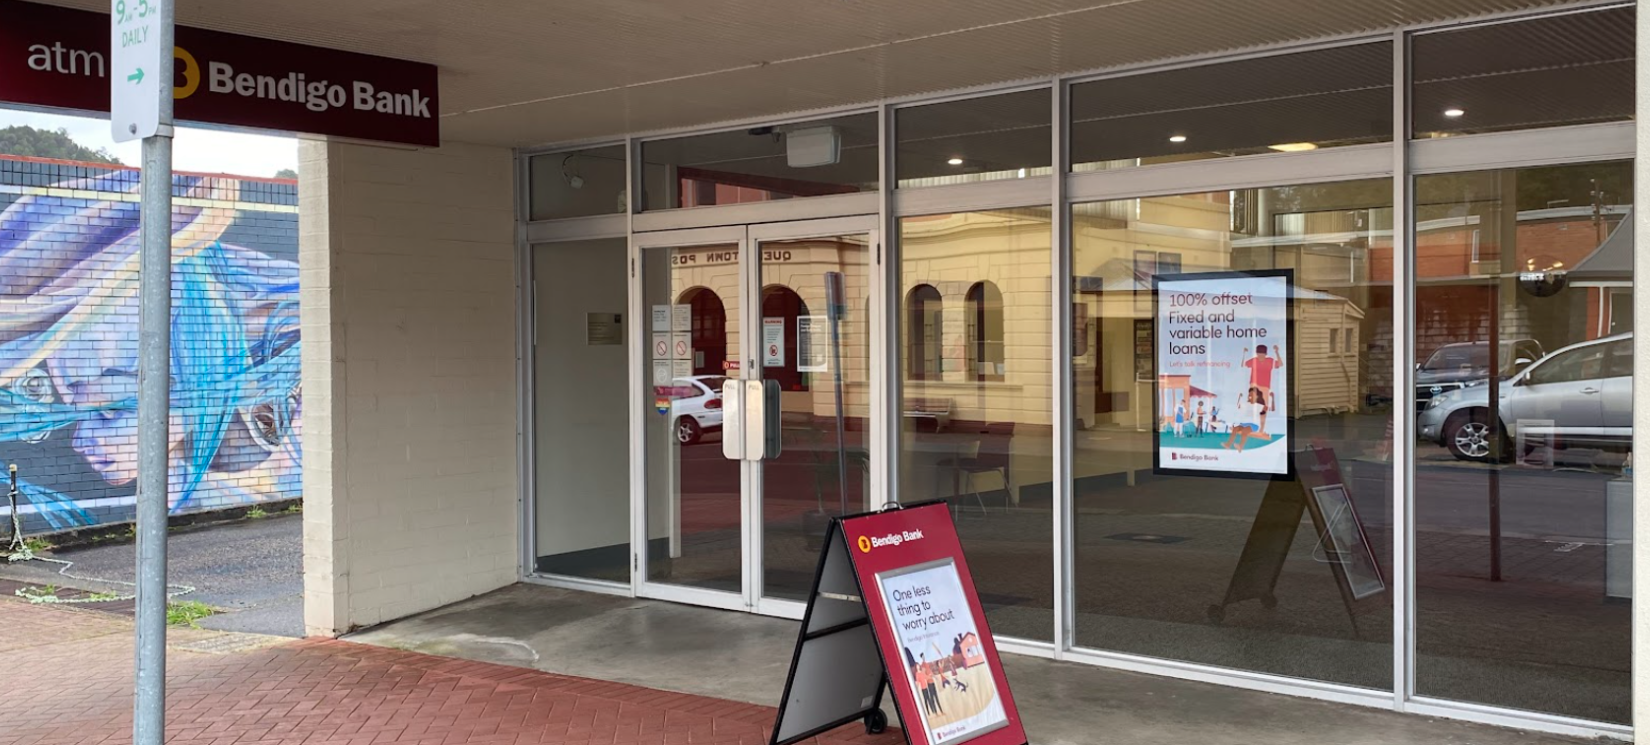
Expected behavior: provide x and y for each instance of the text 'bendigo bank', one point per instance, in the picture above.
(317, 95)
(895, 539)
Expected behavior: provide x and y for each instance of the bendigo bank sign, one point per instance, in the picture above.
(59, 57)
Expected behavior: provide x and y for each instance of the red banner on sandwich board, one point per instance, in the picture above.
(894, 602)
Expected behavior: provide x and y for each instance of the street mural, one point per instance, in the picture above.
(68, 342)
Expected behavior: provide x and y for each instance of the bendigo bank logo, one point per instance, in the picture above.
(866, 543)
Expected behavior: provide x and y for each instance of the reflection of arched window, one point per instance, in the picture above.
(710, 330)
(782, 304)
(985, 331)
(924, 333)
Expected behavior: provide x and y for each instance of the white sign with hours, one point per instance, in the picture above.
(135, 79)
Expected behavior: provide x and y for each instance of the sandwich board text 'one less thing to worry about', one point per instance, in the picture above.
(894, 604)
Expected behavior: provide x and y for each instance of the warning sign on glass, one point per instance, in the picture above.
(813, 344)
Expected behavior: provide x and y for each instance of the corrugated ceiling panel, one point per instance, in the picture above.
(547, 70)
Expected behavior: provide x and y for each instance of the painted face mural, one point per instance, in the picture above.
(68, 348)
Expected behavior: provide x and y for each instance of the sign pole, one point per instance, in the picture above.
(140, 81)
(836, 306)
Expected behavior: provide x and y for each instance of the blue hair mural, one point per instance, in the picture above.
(68, 351)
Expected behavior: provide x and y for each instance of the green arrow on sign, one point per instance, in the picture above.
(136, 77)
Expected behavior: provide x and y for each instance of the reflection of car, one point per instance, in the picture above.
(1578, 396)
(1456, 366)
(696, 407)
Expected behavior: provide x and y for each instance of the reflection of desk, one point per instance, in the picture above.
(962, 453)
(928, 414)
(936, 449)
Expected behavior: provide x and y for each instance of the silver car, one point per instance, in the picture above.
(1579, 396)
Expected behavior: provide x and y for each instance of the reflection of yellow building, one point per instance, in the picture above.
(1118, 248)
(793, 294)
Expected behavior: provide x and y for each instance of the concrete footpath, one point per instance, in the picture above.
(744, 657)
(66, 679)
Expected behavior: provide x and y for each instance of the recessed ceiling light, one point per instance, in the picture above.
(1178, 138)
(1294, 147)
(955, 161)
(1452, 113)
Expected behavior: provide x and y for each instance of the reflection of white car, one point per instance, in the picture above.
(1579, 396)
(696, 407)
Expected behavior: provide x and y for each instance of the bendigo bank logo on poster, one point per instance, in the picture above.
(945, 667)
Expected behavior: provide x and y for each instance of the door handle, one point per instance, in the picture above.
(733, 420)
(1589, 391)
(761, 420)
(750, 420)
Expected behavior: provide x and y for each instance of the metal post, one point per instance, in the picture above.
(154, 403)
(836, 305)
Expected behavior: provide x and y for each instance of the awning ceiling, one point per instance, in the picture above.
(528, 72)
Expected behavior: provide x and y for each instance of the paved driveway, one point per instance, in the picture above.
(68, 681)
(252, 570)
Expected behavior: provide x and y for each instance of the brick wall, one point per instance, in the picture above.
(68, 341)
(409, 321)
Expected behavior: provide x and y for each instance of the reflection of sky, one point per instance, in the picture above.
(68, 306)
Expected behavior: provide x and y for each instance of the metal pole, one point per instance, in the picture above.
(154, 404)
(835, 300)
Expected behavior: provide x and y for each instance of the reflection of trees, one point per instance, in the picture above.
(1533, 188)
(1342, 195)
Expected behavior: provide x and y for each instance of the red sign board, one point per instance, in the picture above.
(941, 659)
(59, 57)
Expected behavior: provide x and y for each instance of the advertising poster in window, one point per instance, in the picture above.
(944, 664)
(1223, 382)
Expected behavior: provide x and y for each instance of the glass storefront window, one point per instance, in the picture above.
(1523, 498)
(974, 139)
(760, 164)
(577, 183)
(975, 401)
(1274, 576)
(1284, 103)
(1575, 68)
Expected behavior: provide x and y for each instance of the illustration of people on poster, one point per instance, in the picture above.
(945, 666)
(1223, 372)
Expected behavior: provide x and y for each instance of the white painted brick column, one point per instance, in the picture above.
(407, 288)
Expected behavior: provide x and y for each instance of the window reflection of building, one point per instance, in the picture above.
(924, 333)
(1523, 270)
(710, 330)
(782, 304)
(976, 402)
(985, 331)
(1128, 598)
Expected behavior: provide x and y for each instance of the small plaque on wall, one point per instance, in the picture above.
(603, 329)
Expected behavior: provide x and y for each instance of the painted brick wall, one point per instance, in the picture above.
(68, 341)
(409, 318)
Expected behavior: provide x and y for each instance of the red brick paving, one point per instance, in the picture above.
(65, 677)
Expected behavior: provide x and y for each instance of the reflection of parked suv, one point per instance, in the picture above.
(1456, 366)
(1579, 396)
(696, 407)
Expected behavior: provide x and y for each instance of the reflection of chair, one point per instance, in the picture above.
(987, 454)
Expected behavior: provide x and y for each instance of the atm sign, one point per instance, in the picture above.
(59, 57)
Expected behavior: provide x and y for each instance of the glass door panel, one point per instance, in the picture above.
(815, 343)
(694, 503)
